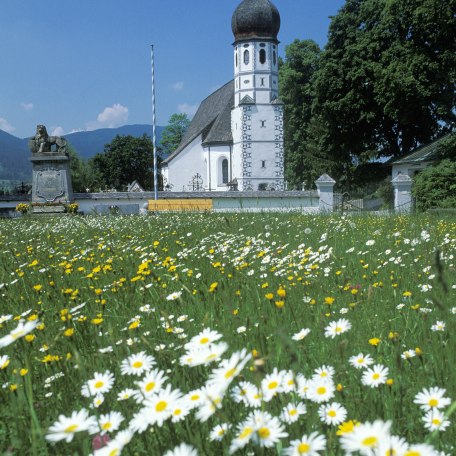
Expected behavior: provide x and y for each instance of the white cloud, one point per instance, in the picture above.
(27, 106)
(188, 109)
(111, 117)
(57, 131)
(178, 86)
(5, 125)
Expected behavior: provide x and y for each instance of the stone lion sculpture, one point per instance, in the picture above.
(42, 143)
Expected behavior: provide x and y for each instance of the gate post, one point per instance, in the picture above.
(325, 186)
(402, 184)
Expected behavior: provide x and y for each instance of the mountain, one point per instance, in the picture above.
(14, 152)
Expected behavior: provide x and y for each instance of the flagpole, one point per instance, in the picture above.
(153, 123)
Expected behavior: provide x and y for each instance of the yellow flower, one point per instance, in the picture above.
(279, 304)
(69, 332)
(347, 427)
(418, 351)
(29, 337)
(98, 291)
(213, 287)
(134, 325)
(374, 341)
(269, 296)
(13, 387)
(37, 287)
(407, 294)
(339, 387)
(281, 292)
(390, 382)
(97, 321)
(329, 300)
(23, 372)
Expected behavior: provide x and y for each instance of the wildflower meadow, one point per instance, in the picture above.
(217, 334)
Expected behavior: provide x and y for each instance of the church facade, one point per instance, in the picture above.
(235, 140)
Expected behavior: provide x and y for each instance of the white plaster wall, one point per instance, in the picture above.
(409, 168)
(188, 163)
(215, 155)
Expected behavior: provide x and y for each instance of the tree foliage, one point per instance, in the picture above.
(436, 186)
(173, 133)
(83, 175)
(124, 160)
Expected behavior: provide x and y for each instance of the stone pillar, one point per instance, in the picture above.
(325, 186)
(402, 185)
(51, 185)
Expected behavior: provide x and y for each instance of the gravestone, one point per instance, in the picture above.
(51, 184)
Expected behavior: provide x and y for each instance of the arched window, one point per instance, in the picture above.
(274, 58)
(225, 171)
(236, 58)
(262, 56)
(246, 57)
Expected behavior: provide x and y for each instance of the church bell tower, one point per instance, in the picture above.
(257, 115)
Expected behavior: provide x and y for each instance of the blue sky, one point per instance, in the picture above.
(85, 64)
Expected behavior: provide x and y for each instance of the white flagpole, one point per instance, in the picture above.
(153, 123)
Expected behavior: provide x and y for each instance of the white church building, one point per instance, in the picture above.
(235, 140)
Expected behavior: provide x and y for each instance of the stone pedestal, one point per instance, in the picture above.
(325, 186)
(402, 185)
(51, 185)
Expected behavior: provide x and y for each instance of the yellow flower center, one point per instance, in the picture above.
(150, 386)
(303, 448)
(204, 340)
(137, 364)
(370, 441)
(71, 428)
(376, 376)
(321, 390)
(293, 412)
(195, 397)
(245, 432)
(433, 402)
(230, 373)
(332, 413)
(360, 360)
(161, 406)
(273, 385)
(177, 412)
(106, 426)
(114, 452)
(264, 433)
(436, 421)
(99, 384)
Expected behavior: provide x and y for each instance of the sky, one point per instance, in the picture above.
(77, 65)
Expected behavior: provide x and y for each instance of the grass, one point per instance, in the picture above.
(105, 288)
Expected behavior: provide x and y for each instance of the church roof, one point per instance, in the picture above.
(212, 120)
(255, 19)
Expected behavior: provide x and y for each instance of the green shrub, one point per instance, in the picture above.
(436, 186)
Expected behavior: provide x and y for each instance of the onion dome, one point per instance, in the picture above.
(255, 19)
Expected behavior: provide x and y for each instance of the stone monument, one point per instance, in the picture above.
(51, 185)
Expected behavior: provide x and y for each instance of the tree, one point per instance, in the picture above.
(83, 176)
(436, 186)
(173, 133)
(385, 82)
(295, 79)
(124, 160)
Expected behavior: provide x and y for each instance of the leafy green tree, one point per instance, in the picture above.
(173, 133)
(447, 148)
(385, 81)
(436, 186)
(124, 160)
(83, 176)
(295, 80)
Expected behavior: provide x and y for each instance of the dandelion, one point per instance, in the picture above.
(65, 427)
(433, 398)
(375, 376)
(310, 445)
(137, 364)
(335, 328)
(361, 361)
(374, 341)
(332, 414)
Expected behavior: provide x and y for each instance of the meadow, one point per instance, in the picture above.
(210, 334)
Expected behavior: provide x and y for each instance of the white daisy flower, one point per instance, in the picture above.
(203, 339)
(4, 361)
(272, 384)
(101, 383)
(151, 383)
(212, 397)
(66, 427)
(432, 398)
(366, 437)
(137, 364)
(324, 372)
(310, 445)
(321, 390)
(268, 429)
(435, 420)
(110, 422)
(159, 407)
(219, 432)
(292, 411)
(182, 450)
(332, 414)
(439, 326)
(301, 334)
(361, 361)
(336, 328)
(375, 376)
(22, 329)
(125, 394)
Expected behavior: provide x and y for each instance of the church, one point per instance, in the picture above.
(235, 140)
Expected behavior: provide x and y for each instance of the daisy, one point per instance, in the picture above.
(22, 329)
(66, 427)
(439, 326)
(301, 334)
(203, 339)
(366, 437)
(336, 328)
(244, 433)
(229, 369)
(240, 391)
(332, 414)
(272, 384)
(310, 445)
(324, 372)
(268, 429)
(302, 386)
(194, 398)
(361, 361)
(392, 446)
(321, 390)
(137, 364)
(110, 422)
(204, 355)
(173, 296)
(99, 384)
(159, 407)
(432, 398)
(219, 432)
(292, 411)
(150, 384)
(407, 354)
(421, 449)
(125, 394)
(375, 376)
(4, 361)
(182, 450)
(435, 420)
(212, 398)
(288, 382)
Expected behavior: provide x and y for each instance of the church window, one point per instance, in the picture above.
(263, 123)
(274, 58)
(263, 163)
(246, 57)
(262, 187)
(262, 56)
(225, 171)
(236, 59)
(262, 82)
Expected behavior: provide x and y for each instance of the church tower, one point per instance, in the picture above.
(257, 115)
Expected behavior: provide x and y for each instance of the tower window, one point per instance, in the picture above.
(225, 171)
(246, 57)
(263, 125)
(236, 59)
(274, 58)
(262, 56)
(263, 163)
(262, 82)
